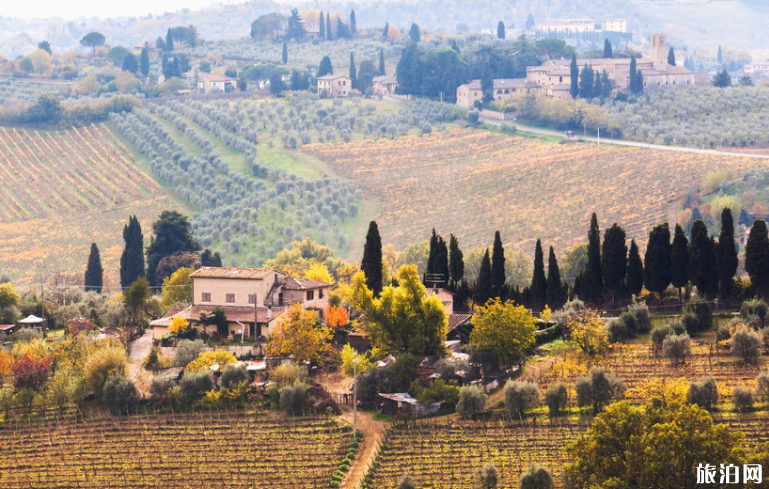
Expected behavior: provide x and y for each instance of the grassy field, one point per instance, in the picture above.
(63, 190)
(473, 182)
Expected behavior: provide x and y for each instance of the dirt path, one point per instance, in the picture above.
(373, 434)
(531, 372)
(137, 352)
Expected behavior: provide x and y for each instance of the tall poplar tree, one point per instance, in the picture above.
(371, 265)
(456, 261)
(132, 259)
(757, 257)
(483, 290)
(498, 268)
(700, 258)
(613, 260)
(634, 279)
(726, 262)
(592, 286)
(94, 273)
(538, 281)
(679, 260)
(556, 293)
(657, 260)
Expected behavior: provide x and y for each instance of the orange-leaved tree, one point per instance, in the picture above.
(301, 334)
(336, 316)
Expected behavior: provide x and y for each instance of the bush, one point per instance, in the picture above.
(754, 307)
(742, 399)
(207, 359)
(25, 335)
(120, 393)
(371, 382)
(101, 365)
(556, 398)
(703, 314)
(488, 477)
(703, 393)
(287, 373)
(187, 351)
(762, 386)
(659, 333)
(293, 397)
(677, 347)
(160, 385)
(746, 345)
(194, 384)
(723, 333)
(448, 367)
(641, 314)
(407, 482)
(233, 374)
(473, 116)
(617, 330)
(520, 396)
(536, 477)
(472, 401)
(598, 387)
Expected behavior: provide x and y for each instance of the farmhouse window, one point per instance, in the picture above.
(230, 297)
(310, 295)
(251, 298)
(320, 294)
(206, 297)
(280, 299)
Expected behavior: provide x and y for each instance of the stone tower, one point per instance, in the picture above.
(659, 53)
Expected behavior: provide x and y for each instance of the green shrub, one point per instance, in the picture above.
(293, 398)
(703, 393)
(556, 398)
(677, 347)
(742, 399)
(746, 344)
(120, 393)
(472, 401)
(233, 375)
(520, 396)
(194, 385)
(536, 477)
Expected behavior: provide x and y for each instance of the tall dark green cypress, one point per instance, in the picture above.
(613, 260)
(632, 78)
(284, 55)
(700, 258)
(538, 281)
(172, 234)
(574, 76)
(353, 23)
(328, 26)
(381, 63)
(487, 84)
(713, 268)
(757, 257)
(657, 260)
(498, 268)
(353, 71)
(501, 30)
(144, 62)
(169, 40)
(679, 260)
(556, 293)
(592, 286)
(634, 279)
(607, 51)
(483, 290)
(371, 265)
(727, 261)
(94, 273)
(438, 261)
(386, 32)
(321, 26)
(431, 256)
(132, 259)
(456, 261)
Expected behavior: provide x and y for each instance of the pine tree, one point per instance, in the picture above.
(353, 72)
(295, 28)
(498, 268)
(593, 284)
(144, 62)
(285, 52)
(671, 57)
(414, 34)
(169, 40)
(94, 274)
(386, 31)
(538, 281)
(613, 260)
(632, 78)
(607, 51)
(700, 257)
(679, 260)
(501, 30)
(757, 257)
(322, 26)
(381, 63)
(353, 26)
(328, 26)
(574, 76)
(726, 263)
(132, 259)
(657, 260)
(634, 280)
(456, 261)
(483, 290)
(371, 265)
(556, 293)
(487, 84)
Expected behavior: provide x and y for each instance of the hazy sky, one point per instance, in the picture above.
(71, 9)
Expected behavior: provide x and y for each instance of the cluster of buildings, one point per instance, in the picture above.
(340, 85)
(580, 26)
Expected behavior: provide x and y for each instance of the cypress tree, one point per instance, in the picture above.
(639, 82)
(169, 40)
(634, 279)
(556, 296)
(353, 26)
(381, 63)
(574, 76)
(438, 260)
(483, 290)
(353, 72)
(586, 82)
(501, 30)
(613, 260)
(719, 56)
(657, 260)
(132, 259)
(671, 57)
(757, 257)
(607, 51)
(456, 261)
(726, 263)
(325, 67)
(700, 250)
(371, 265)
(328, 26)
(538, 282)
(487, 84)
(414, 34)
(321, 26)
(171, 235)
(386, 31)
(679, 260)
(454, 45)
(431, 256)
(285, 52)
(597, 86)
(498, 268)
(144, 62)
(592, 286)
(713, 268)
(94, 274)
(632, 78)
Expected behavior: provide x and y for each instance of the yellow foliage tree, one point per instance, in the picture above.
(300, 335)
(319, 273)
(8, 296)
(588, 333)
(365, 360)
(177, 289)
(208, 358)
(504, 328)
(179, 325)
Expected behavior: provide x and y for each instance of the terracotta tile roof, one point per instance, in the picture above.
(228, 272)
(456, 320)
(293, 283)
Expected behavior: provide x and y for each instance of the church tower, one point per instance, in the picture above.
(659, 52)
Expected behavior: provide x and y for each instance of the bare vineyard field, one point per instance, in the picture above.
(470, 183)
(231, 449)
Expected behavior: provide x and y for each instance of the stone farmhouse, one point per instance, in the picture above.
(334, 85)
(504, 89)
(253, 299)
(384, 85)
(209, 83)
